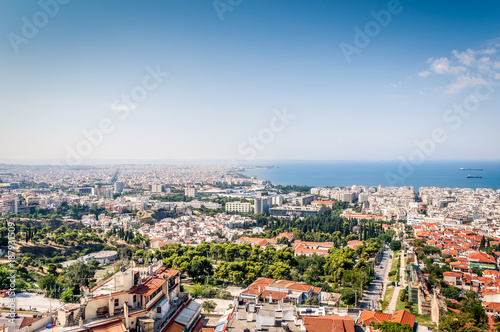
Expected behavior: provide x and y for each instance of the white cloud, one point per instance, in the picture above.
(467, 57)
(484, 65)
(442, 66)
(488, 51)
(464, 82)
(424, 73)
(468, 69)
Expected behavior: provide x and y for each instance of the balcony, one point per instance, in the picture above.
(171, 286)
(175, 305)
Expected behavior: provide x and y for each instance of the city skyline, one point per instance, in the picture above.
(248, 82)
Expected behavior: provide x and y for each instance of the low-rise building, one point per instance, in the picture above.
(143, 299)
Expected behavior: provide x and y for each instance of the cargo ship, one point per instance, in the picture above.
(474, 176)
(471, 169)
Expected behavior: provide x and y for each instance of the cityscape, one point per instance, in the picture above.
(241, 166)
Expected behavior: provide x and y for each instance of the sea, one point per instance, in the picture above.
(444, 174)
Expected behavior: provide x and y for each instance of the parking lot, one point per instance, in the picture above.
(32, 302)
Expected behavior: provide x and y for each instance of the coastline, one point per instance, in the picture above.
(440, 174)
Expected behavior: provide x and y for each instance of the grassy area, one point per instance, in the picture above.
(388, 294)
(395, 266)
(424, 320)
(401, 305)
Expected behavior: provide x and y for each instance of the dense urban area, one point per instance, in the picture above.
(206, 248)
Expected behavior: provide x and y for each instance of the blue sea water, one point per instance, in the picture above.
(446, 174)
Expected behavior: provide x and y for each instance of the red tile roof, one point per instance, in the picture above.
(329, 324)
(149, 286)
(368, 317)
(495, 306)
(403, 317)
(274, 294)
(27, 321)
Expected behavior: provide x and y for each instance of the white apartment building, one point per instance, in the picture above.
(363, 197)
(239, 207)
(8, 204)
(157, 188)
(277, 200)
(191, 192)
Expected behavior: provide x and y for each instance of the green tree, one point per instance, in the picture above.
(48, 281)
(482, 244)
(454, 322)
(279, 270)
(473, 306)
(208, 306)
(200, 267)
(395, 245)
(348, 296)
(392, 327)
(67, 295)
(451, 292)
(52, 269)
(78, 274)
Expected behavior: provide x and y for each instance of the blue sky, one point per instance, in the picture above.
(228, 78)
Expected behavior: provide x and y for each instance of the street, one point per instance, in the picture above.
(372, 296)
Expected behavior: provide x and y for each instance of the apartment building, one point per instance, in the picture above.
(141, 299)
(241, 207)
(191, 192)
(9, 205)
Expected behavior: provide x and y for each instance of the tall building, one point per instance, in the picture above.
(118, 187)
(109, 192)
(191, 192)
(8, 204)
(349, 197)
(157, 188)
(363, 197)
(277, 200)
(261, 204)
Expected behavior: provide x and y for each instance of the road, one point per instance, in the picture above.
(372, 296)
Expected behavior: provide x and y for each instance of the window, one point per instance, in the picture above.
(135, 298)
(117, 302)
(158, 309)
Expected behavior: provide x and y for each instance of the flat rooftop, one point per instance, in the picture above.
(239, 321)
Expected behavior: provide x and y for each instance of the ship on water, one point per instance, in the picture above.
(474, 176)
(471, 169)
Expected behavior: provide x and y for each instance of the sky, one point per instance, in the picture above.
(249, 80)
